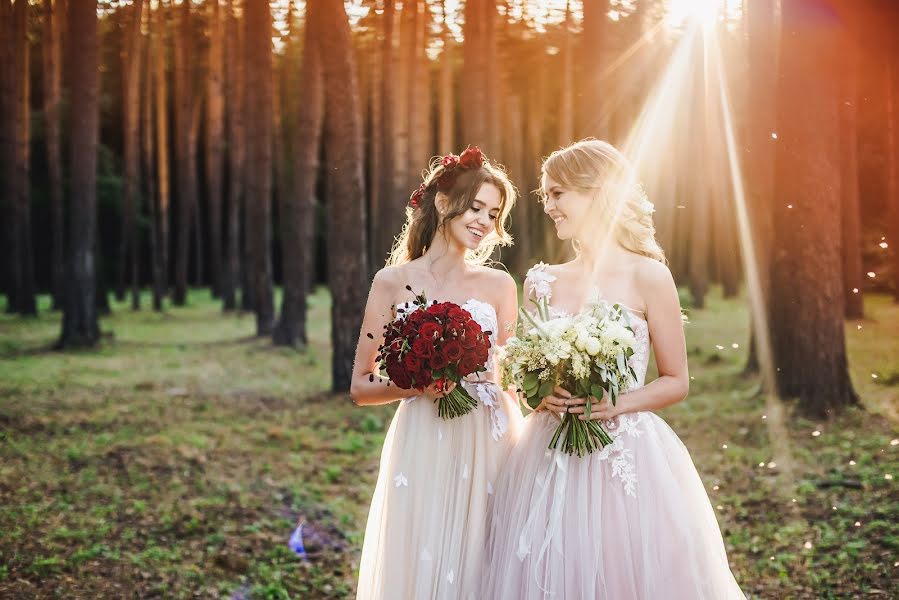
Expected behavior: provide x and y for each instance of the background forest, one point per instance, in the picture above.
(195, 195)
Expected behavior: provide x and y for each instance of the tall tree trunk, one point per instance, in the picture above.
(759, 178)
(566, 92)
(215, 148)
(475, 128)
(25, 295)
(129, 242)
(389, 219)
(196, 208)
(377, 250)
(147, 118)
(806, 286)
(420, 143)
(699, 207)
(259, 158)
(492, 77)
(892, 94)
(298, 205)
(52, 64)
(850, 209)
(8, 150)
(183, 106)
(162, 145)
(591, 115)
(80, 327)
(347, 273)
(234, 90)
(445, 95)
(406, 100)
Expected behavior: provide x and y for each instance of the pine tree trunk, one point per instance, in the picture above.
(162, 145)
(699, 207)
(566, 92)
(129, 242)
(347, 272)
(298, 206)
(445, 94)
(806, 283)
(389, 219)
(52, 64)
(8, 150)
(149, 172)
(475, 129)
(183, 105)
(492, 78)
(892, 128)
(80, 326)
(259, 158)
(215, 149)
(591, 116)
(406, 100)
(850, 209)
(234, 90)
(196, 207)
(420, 145)
(761, 143)
(26, 303)
(377, 250)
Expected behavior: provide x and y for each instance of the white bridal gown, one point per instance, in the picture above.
(630, 522)
(427, 526)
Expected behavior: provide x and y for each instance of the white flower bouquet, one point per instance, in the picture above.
(586, 354)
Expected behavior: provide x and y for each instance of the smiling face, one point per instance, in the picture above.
(567, 208)
(479, 220)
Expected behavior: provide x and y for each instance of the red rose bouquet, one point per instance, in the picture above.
(435, 343)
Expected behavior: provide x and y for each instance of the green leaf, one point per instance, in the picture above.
(530, 381)
(546, 388)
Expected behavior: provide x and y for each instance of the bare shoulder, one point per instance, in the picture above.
(651, 275)
(388, 278)
(497, 280)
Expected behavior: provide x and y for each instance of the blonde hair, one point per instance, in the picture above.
(423, 222)
(590, 165)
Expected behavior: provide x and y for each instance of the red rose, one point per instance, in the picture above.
(411, 362)
(423, 378)
(482, 353)
(458, 314)
(471, 158)
(453, 351)
(438, 361)
(423, 347)
(399, 376)
(454, 329)
(468, 365)
(449, 161)
(430, 330)
(436, 310)
(417, 317)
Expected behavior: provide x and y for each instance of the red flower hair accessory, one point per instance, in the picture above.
(471, 158)
(417, 195)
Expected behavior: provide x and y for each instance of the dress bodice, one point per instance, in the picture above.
(538, 285)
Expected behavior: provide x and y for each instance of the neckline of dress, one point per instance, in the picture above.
(469, 301)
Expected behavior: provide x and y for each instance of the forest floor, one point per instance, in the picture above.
(175, 461)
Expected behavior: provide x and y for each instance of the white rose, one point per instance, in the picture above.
(592, 346)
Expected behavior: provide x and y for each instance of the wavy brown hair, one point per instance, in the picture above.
(424, 222)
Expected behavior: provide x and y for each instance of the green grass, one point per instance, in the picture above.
(175, 460)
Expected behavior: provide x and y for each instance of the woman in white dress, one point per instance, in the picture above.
(632, 521)
(426, 531)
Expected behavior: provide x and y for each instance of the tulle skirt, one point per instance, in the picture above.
(630, 522)
(427, 527)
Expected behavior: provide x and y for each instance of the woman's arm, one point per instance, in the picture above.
(666, 330)
(367, 386)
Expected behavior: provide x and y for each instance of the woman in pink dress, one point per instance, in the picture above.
(631, 521)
